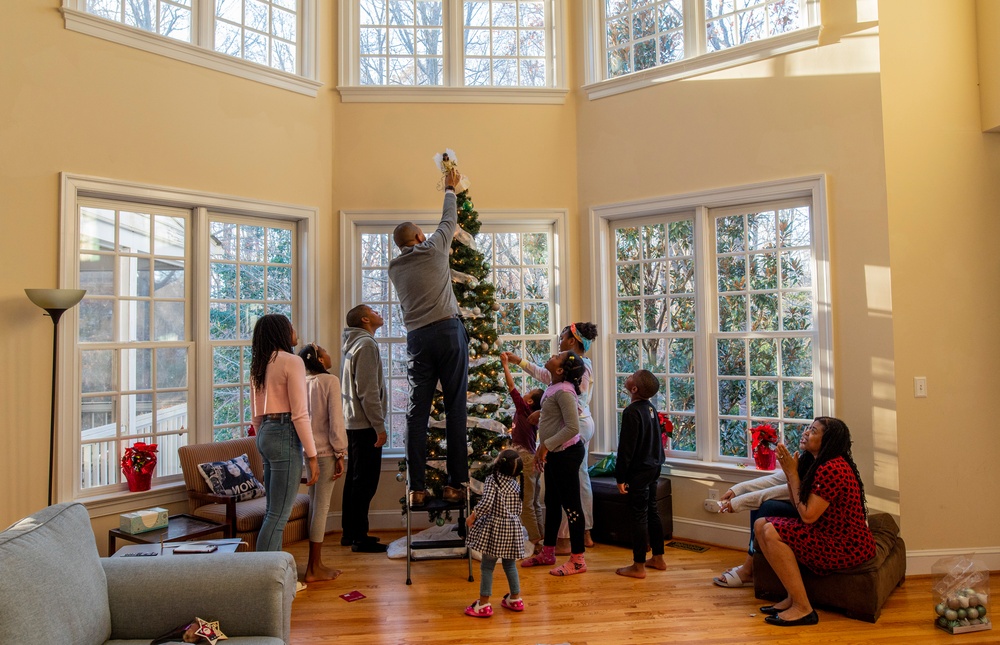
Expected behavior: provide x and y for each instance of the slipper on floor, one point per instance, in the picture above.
(731, 579)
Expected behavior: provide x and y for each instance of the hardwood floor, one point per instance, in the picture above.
(679, 605)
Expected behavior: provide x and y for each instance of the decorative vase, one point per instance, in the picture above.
(138, 480)
(765, 459)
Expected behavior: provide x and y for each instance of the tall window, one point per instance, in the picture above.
(521, 259)
(265, 40)
(728, 308)
(250, 275)
(163, 333)
(450, 43)
(679, 38)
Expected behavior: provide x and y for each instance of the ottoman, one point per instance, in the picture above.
(612, 517)
(859, 592)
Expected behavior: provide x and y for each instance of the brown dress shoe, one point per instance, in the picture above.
(451, 494)
(418, 497)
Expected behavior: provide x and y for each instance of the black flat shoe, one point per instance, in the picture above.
(770, 610)
(369, 547)
(809, 619)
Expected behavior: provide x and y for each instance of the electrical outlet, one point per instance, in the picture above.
(713, 494)
(919, 387)
(711, 505)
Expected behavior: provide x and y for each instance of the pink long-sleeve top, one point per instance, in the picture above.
(285, 391)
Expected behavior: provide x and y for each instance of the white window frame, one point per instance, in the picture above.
(200, 52)
(602, 220)
(597, 85)
(74, 187)
(454, 92)
(352, 222)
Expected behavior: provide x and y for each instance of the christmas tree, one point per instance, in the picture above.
(488, 423)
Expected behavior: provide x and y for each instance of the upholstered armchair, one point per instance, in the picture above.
(243, 517)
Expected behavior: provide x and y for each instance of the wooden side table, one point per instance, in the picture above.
(179, 528)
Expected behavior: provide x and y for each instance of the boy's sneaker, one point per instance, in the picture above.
(479, 611)
(513, 605)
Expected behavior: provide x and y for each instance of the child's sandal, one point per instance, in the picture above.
(513, 605)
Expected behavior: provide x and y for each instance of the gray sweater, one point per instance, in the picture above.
(422, 275)
(362, 383)
(559, 421)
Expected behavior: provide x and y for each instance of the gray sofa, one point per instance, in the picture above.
(54, 588)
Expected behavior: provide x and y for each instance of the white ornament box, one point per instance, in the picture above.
(149, 519)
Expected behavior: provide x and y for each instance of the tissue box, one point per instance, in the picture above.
(149, 519)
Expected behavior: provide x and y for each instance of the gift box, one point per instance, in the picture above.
(962, 595)
(149, 519)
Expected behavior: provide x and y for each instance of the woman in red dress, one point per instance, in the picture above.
(831, 532)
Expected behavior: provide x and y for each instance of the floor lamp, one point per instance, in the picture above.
(56, 302)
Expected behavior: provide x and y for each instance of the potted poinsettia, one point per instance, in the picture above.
(764, 439)
(666, 428)
(138, 463)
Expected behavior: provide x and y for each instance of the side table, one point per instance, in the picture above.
(179, 528)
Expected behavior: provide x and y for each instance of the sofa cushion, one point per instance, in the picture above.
(232, 478)
(53, 585)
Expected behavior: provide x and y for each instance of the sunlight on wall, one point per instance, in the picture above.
(867, 10)
(878, 282)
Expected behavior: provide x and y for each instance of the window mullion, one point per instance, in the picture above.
(694, 28)
(706, 321)
(454, 43)
(202, 359)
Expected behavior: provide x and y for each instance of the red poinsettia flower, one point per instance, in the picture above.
(140, 457)
(666, 427)
(764, 438)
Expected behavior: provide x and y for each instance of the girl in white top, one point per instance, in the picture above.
(577, 337)
(326, 411)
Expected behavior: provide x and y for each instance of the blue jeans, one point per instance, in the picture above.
(439, 351)
(281, 449)
(486, 575)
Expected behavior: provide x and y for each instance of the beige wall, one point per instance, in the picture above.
(69, 102)
(943, 185)
(817, 111)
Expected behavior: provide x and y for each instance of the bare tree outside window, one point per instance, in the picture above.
(163, 17)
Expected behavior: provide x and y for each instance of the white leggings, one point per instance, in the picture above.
(320, 495)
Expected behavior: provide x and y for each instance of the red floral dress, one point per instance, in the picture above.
(840, 538)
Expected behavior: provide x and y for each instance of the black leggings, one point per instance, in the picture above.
(562, 490)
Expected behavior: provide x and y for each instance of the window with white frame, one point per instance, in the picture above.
(522, 266)
(668, 39)
(450, 44)
(727, 306)
(276, 35)
(163, 333)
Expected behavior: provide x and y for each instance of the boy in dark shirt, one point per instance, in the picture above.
(640, 455)
(524, 438)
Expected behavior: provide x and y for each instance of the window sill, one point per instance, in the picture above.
(117, 502)
(92, 25)
(749, 53)
(396, 94)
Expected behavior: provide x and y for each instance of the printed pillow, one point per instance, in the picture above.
(232, 478)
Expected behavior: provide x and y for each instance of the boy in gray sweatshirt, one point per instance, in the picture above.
(365, 407)
(437, 345)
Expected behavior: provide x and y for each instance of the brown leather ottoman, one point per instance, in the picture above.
(612, 517)
(859, 592)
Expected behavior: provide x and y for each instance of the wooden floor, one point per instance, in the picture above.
(679, 605)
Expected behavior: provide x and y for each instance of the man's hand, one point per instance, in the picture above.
(623, 488)
(382, 438)
(452, 178)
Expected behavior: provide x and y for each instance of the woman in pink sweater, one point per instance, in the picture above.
(281, 415)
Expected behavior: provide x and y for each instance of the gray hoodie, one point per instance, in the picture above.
(362, 384)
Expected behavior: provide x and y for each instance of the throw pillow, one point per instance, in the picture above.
(232, 478)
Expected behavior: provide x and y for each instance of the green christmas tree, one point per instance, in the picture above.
(488, 428)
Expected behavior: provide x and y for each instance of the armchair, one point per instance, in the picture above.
(243, 518)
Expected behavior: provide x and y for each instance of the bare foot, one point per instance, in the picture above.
(321, 573)
(563, 546)
(587, 540)
(657, 562)
(635, 571)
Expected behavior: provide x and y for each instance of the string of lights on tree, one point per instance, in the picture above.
(488, 426)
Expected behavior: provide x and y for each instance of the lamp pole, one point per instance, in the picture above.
(56, 302)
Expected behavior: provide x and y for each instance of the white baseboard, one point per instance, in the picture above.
(918, 563)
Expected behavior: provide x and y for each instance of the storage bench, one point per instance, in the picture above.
(613, 518)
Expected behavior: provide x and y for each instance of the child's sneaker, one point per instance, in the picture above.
(547, 558)
(479, 611)
(513, 605)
